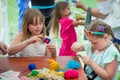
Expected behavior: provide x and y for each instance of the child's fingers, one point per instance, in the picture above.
(40, 36)
(73, 48)
(3, 51)
(76, 49)
(79, 49)
(5, 47)
(43, 34)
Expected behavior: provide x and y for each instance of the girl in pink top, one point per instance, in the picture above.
(67, 27)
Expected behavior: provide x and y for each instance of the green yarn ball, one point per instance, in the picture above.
(34, 73)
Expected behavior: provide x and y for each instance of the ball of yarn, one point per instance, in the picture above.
(53, 64)
(73, 64)
(70, 74)
(34, 73)
(31, 66)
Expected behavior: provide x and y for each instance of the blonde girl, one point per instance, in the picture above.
(29, 42)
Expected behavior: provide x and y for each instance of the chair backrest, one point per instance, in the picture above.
(88, 17)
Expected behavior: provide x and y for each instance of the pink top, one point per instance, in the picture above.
(68, 35)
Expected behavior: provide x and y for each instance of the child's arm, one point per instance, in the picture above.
(80, 22)
(106, 73)
(18, 45)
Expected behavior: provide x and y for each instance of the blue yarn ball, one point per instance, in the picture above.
(73, 64)
(31, 66)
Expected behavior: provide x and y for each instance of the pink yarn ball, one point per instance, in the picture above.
(71, 74)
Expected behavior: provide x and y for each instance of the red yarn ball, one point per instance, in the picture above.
(69, 74)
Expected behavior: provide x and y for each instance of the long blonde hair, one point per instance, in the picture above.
(56, 15)
(28, 18)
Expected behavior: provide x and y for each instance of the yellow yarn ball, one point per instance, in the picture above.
(53, 64)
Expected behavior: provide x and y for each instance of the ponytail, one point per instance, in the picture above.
(109, 31)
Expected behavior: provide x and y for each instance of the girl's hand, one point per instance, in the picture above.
(35, 39)
(87, 60)
(52, 49)
(3, 48)
(76, 46)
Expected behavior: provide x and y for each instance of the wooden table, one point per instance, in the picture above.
(21, 64)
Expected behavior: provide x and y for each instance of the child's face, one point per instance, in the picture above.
(36, 27)
(98, 43)
(66, 11)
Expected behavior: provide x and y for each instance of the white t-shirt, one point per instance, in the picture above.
(110, 7)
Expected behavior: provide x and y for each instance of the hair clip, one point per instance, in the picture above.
(116, 40)
(91, 33)
(100, 28)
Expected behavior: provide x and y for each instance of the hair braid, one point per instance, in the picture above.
(113, 37)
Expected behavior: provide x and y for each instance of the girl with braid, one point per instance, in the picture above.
(103, 55)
